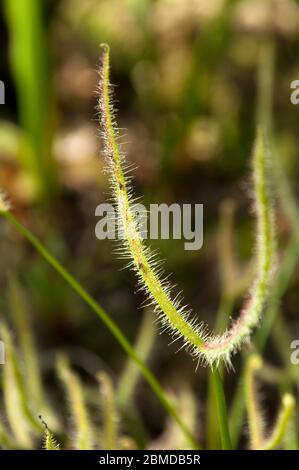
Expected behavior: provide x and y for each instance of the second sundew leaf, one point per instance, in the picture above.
(20, 418)
(203, 345)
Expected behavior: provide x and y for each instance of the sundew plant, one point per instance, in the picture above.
(174, 316)
(30, 419)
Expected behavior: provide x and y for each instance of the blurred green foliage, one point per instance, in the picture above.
(29, 58)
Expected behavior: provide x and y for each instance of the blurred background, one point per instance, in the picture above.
(186, 76)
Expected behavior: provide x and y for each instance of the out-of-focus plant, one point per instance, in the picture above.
(30, 69)
(109, 412)
(289, 259)
(255, 418)
(22, 421)
(29, 355)
(21, 410)
(130, 375)
(82, 428)
(172, 437)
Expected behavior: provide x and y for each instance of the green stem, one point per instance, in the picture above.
(224, 312)
(221, 410)
(109, 323)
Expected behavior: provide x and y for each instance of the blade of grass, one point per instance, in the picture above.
(28, 59)
(221, 410)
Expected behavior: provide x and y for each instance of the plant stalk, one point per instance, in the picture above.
(221, 410)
